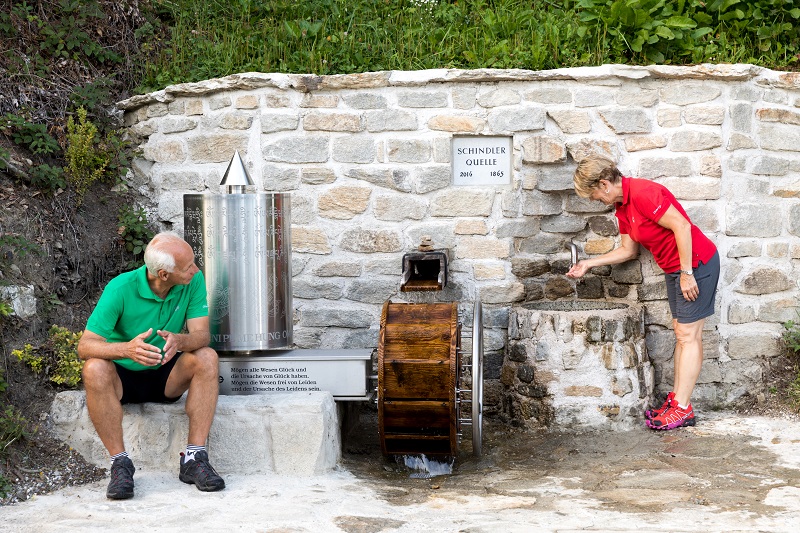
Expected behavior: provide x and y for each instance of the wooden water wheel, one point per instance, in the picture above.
(420, 373)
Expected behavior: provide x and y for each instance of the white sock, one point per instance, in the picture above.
(191, 449)
(684, 407)
(120, 454)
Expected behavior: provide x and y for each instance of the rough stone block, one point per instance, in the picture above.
(287, 434)
(296, 149)
(422, 99)
(752, 220)
(408, 151)
(517, 119)
(572, 121)
(457, 123)
(462, 203)
(365, 101)
(21, 298)
(396, 208)
(549, 95)
(752, 345)
(543, 149)
(627, 120)
(346, 122)
(272, 122)
(683, 93)
(693, 141)
(391, 120)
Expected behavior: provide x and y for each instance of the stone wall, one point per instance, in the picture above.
(367, 160)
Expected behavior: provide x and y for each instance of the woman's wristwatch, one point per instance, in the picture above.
(689, 272)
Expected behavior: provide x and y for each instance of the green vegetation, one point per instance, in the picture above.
(87, 158)
(12, 428)
(12, 244)
(791, 337)
(212, 39)
(135, 232)
(32, 136)
(57, 359)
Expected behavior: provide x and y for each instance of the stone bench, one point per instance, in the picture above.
(296, 434)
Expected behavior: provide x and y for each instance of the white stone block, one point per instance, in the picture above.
(288, 434)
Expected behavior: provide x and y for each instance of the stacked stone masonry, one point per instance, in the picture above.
(367, 160)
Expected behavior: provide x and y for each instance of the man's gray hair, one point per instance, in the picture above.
(155, 255)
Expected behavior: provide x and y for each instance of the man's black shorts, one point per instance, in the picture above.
(140, 386)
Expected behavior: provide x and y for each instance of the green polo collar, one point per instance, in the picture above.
(145, 291)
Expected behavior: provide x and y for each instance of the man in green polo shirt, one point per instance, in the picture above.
(147, 341)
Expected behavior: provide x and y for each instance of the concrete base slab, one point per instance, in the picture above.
(294, 434)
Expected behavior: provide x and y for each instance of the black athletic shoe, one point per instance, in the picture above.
(121, 485)
(200, 472)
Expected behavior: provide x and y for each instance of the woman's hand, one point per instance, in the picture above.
(689, 287)
(579, 269)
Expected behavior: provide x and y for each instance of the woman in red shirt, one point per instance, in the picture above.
(648, 214)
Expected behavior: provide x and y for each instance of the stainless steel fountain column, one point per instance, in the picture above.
(242, 243)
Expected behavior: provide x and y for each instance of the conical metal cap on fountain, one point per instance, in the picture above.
(236, 179)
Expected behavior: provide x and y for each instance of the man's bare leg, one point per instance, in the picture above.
(103, 394)
(197, 372)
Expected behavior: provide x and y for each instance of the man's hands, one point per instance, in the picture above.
(146, 354)
(170, 345)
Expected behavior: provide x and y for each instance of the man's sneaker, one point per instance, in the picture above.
(652, 413)
(200, 472)
(672, 417)
(121, 485)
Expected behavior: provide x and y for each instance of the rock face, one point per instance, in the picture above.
(368, 161)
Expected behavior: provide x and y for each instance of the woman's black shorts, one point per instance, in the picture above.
(685, 311)
(140, 386)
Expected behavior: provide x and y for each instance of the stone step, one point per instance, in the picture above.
(296, 434)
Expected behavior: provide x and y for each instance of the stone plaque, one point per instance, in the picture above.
(481, 160)
(341, 372)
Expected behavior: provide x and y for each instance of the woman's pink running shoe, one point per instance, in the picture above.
(652, 413)
(673, 417)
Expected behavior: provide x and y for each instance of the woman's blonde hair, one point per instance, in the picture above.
(591, 170)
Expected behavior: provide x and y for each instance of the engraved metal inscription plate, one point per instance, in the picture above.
(341, 372)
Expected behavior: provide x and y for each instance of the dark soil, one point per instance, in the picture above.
(68, 254)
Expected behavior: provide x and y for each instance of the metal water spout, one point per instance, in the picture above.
(573, 253)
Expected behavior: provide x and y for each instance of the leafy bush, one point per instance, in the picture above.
(48, 178)
(86, 157)
(791, 336)
(29, 135)
(57, 359)
(12, 427)
(134, 231)
(5, 311)
(656, 31)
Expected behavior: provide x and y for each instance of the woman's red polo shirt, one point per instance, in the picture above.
(643, 204)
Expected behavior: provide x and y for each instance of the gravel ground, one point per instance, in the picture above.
(44, 465)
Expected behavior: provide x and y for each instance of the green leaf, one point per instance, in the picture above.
(680, 22)
(699, 32)
(666, 33)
